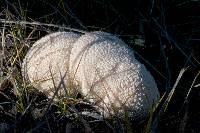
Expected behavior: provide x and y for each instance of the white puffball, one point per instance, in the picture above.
(102, 65)
(48, 61)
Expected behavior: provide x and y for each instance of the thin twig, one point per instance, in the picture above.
(40, 24)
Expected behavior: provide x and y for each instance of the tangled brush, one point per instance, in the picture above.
(100, 65)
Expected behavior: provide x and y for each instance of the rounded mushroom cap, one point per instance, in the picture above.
(101, 64)
(47, 61)
(110, 76)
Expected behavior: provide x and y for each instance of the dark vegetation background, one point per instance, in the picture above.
(170, 29)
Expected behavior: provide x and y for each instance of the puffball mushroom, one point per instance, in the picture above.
(102, 66)
(47, 61)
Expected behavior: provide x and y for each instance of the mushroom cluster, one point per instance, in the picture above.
(100, 66)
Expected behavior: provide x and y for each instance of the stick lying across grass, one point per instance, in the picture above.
(101, 65)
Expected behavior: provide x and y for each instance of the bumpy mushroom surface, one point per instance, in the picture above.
(101, 64)
(47, 61)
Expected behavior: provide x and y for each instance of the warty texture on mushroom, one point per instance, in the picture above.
(100, 65)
